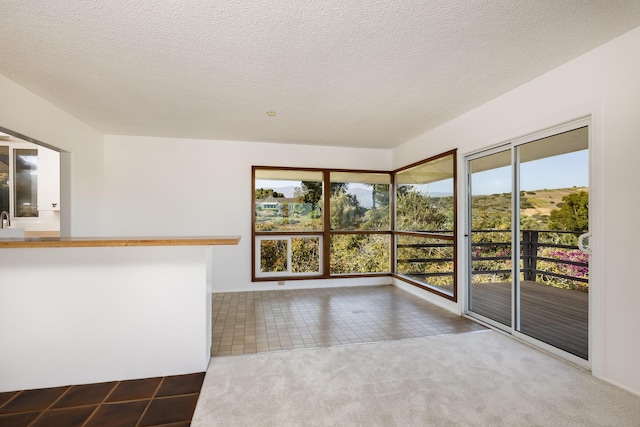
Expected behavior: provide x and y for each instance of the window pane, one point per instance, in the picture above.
(4, 179)
(290, 255)
(359, 201)
(288, 200)
(305, 255)
(427, 261)
(273, 256)
(424, 195)
(359, 253)
(26, 182)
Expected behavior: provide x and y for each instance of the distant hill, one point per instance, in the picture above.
(536, 204)
(363, 194)
(542, 202)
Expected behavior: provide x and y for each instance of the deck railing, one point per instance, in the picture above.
(546, 256)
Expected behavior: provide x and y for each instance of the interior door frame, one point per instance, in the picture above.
(511, 144)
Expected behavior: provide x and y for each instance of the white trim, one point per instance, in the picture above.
(490, 323)
(597, 244)
(552, 350)
(553, 130)
(497, 148)
(515, 237)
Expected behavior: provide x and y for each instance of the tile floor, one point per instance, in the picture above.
(248, 322)
(256, 322)
(164, 401)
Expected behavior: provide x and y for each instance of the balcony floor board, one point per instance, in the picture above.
(559, 317)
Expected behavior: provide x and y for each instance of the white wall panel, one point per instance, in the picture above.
(85, 315)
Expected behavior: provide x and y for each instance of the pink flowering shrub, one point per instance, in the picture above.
(571, 255)
(578, 271)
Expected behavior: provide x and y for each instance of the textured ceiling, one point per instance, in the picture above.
(349, 73)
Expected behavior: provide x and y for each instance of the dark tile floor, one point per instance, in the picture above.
(255, 322)
(163, 401)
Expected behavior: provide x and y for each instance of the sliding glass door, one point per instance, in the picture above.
(554, 212)
(528, 212)
(491, 275)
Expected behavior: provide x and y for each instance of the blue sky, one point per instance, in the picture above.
(563, 171)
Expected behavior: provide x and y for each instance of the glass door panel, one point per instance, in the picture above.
(554, 211)
(490, 284)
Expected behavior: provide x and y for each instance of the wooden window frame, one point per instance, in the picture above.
(326, 233)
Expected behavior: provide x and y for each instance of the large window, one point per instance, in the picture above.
(425, 228)
(360, 222)
(311, 223)
(320, 223)
(288, 223)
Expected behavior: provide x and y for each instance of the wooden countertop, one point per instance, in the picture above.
(88, 242)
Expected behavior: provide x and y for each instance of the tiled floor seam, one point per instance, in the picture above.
(150, 400)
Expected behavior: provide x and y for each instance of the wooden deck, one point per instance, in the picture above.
(559, 317)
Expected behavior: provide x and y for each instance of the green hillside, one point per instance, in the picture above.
(494, 211)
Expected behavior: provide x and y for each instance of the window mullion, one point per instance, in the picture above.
(326, 223)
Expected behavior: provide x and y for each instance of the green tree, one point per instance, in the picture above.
(310, 192)
(263, 193)
(359, 253)
(379, 195)
(305, 255)
(573, 214)
(339, 187)
(376, 219)
(346, 213)
(273, 255)
(419, 212)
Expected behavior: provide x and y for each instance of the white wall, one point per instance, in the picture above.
(182, 187)
(23, 112)
(603, 83)
(86, 315)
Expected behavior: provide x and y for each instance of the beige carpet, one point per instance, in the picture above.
(471, 379)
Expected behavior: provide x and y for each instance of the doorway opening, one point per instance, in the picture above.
(29, 185)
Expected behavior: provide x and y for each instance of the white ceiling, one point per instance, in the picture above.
(349, 73)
